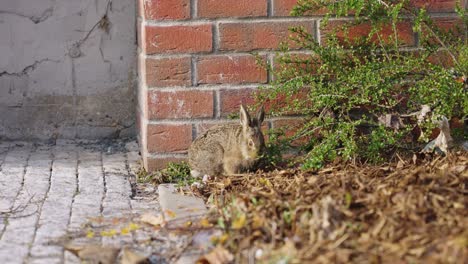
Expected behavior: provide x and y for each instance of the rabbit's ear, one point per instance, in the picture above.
(260, 115)
(244, 116)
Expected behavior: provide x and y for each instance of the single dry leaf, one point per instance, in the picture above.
(155, 220)
(218, 255)
(205, 223)
(239, 222)
(109, 233)
(94, 253)
(131, 257)
(89, 234)
(170, 213)
(443, 140)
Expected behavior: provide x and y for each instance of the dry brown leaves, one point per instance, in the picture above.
(410, 211)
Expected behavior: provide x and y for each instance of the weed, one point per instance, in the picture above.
(178, 173)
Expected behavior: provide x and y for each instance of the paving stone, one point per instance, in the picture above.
(177, 208)
(70, 258)
(20, 234)
(50, 231)
(141, 207)
(117, 241)
(6, 203)
(188, 259)
(47, 260)
(12, 253)
(116, 209)
(40, 251)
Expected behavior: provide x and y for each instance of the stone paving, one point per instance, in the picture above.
(48, 190)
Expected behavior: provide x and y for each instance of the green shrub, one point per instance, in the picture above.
(347, 88)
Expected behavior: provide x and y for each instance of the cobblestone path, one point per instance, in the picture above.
(47, 190)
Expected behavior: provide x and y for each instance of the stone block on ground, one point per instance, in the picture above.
(178, 208)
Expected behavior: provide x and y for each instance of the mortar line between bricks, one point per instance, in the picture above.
(18, 193)
(194, 131)
(204, 88)
(77, 190)
(212, 54)
(260, 52)
(247, 20)
(193, 9)
(194, 70)
(219, 53)
(417, 39)
(318, 36)
(167, 155)
(270, 8)
(215, 35)
(39, 211)
(184, 121)
(265, 19)
(270, 60)
(216, 104)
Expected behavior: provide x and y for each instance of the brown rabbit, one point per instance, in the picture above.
(228, 149)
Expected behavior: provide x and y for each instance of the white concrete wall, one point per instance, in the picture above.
(65, 71)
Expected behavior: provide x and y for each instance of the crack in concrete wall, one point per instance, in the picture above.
(35, 19)
(27, 69)
(67, 69)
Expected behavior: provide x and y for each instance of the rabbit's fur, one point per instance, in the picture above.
(228, 149)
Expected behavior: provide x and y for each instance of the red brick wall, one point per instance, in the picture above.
(195, 66)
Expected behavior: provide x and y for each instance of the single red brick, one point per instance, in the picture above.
(260, 35)
(283, 7)
(404, 29)
(445, 25)
(159, 163)
(169, 138)
(230, 69)
(166, 9)
(290, 128)
(178, 39)
(303, 63)
(239, 8)
(448, 24)
(437, 5)
(290, 125)
(282, 101)
(203, 127)
(442, 58)
(168, 72)
(231, 99)
(180, 104)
